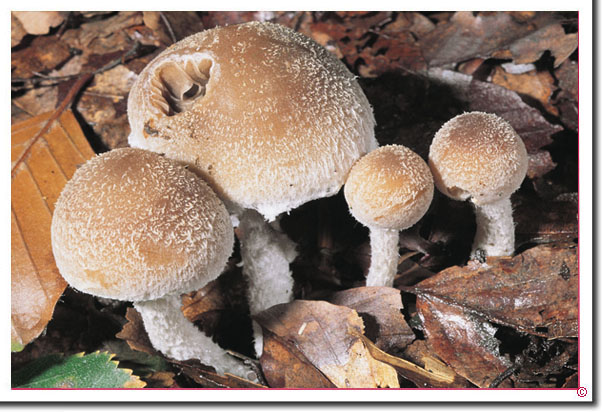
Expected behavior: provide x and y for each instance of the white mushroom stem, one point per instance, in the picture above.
(384, 245)
(178, 338)
(266, 255)
(495, 229)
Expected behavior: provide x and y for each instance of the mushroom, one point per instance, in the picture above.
(132, 225)
(269, 118)
(479, 156)
(388, 190)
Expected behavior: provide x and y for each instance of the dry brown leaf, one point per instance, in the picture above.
(329, 337)
(465, 341)
(17, 32)
(43, 54)
(536, 84)
(467, 35)
(40, 170)
(436, 376)
(552, 37)
(534, 292)
(39, 22)
(284, 366)
(134, 334)
(380, 309)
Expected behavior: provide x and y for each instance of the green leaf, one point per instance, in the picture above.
(95, 370)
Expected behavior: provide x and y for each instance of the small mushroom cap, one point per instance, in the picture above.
(132, 225)
(391, 187)
(267, 116)
(479, 156)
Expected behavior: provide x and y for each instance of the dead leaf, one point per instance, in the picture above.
(209, 379)
(42, 55)
(420, 354)
(328, 336)
(284, 366)
(552, 37)
(135, 335)
(39, 173)
(438, 376)
(464, 340)
(538, 85)
(568, 80)
(380, 309)
(534, 292)
(39, 22)
(468, 35)
(545, 222)
(17, 31)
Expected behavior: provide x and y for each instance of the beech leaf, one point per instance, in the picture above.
(42, 164)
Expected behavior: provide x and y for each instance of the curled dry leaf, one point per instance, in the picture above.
(328, 336)
(380, 309)
(434, 375)
(39, 22)
(464, 340)
(534, 292)
(467, 35)
(538, 85)
(42, 164)
(551, 37)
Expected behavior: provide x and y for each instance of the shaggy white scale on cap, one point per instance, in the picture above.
(388, 190)
(269, 117)
(132, 225)
(479, 156)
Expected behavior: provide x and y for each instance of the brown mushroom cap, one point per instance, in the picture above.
(391, 187)
(266, 115)
(478, 155)
(132, 225)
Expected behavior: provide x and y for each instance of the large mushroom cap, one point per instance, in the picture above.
(391, 188)
(132, 225)
(479, 156)
(267, 116)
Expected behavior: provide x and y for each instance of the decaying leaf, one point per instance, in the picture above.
(545, 222)
(380, 309)
(467, 35)
(39, 22)
(464, 340)
(134, 333)
(44, 54)
(41, 166)
(534, 292)
(436, 376)
(538, 85)
(328, 336)
(17, 31)
(298, 371)
(551, 37)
